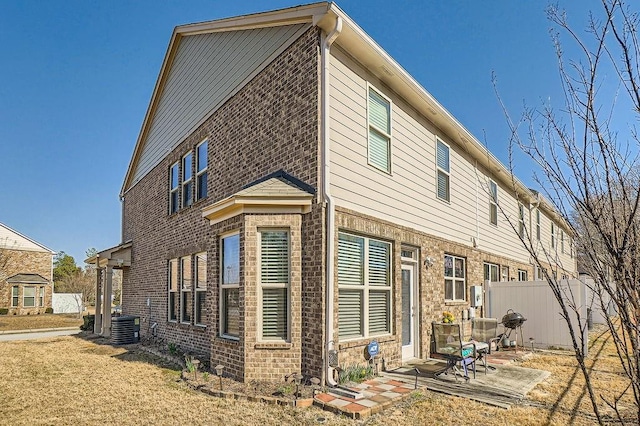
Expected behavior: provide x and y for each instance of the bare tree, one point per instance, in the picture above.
(82, 284)
(587, 151)
(5, 258)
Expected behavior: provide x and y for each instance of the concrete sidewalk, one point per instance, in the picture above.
(38, 330)
(13, 335)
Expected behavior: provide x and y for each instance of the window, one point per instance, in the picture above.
(173, 188)
(364, 287)
(539, 273)
(553, 235)
(523, 275)
(562, 241)
(41, 299)
(201, 170)
(379, 116)
(201, 288)
(454, 278)
(29, 297)
(274, 284)
(187, 181)
(174, 301)
(185, 289)
(229, 286)
(504, 276)
(442, 162)
(521, 220)
(14, 296)
(491, 272)
(538, 224)
(493, 203)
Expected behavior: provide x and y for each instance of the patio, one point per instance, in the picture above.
(502, 386)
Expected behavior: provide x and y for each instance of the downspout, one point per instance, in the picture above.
(326, 193)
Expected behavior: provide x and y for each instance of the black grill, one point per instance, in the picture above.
(513, 319)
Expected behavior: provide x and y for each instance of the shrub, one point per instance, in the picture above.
(4, 311)
(48, 311)
(355, 373)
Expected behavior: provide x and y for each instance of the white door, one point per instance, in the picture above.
(409, 312)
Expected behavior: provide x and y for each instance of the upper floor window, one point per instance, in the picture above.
(379, 118)
(553, 235)
(174, 186)
(230, 286)
(521, 220)
(187, 180)
(538, 224)
(562, 241)
(493, 203)
(454, 278)
(364, 286)
(275, 284)
(442, 162)
(201, 170)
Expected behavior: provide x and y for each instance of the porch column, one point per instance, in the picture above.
(106, 301)
(97, 325)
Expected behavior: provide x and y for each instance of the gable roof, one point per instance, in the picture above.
(278, 192)
(13, 240)
(27, 279)
(366, 51)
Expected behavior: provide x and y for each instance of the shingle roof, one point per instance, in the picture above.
(28, 279)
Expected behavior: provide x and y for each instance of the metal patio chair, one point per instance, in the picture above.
(448, 344)
(484, 332)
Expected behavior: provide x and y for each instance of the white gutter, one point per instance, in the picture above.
(326, 192)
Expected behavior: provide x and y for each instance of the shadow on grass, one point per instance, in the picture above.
(129, 353)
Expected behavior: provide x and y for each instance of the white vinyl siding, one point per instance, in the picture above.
(275, 284)
(442, 161)
(364, 281)
(409, 197)
(206, 70)
(493, 203)
(379, 115)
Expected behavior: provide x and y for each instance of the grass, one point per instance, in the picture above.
(30, 322)
(85, 383)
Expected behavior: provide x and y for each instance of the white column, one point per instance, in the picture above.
(106, 301)
(97, 325)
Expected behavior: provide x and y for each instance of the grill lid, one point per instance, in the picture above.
(513, 319)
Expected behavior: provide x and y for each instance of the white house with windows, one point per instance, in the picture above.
(310, 196)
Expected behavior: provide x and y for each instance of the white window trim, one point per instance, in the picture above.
(493, 201)
(175, 290)
(446, 172)
(491, 266)
(200, 172)
(521, 217)
(504, 268)
(523, 275)
(260, 286)
(224, 287)
(184, 289)
(186, 182)
(456, 279)
(562, 241)
(199, 289)
(41, 293)
(553, 235)
(24, 296)
(381, 131)
(175, 189)
(538, 232)
(366, 289)
(16, 297)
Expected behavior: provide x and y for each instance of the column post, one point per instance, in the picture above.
(106, 301)
(97, 325)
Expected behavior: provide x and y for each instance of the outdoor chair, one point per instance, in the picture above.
(448, 344)
(484, 332)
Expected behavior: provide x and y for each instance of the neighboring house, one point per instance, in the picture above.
(26, 274)
(294, 192)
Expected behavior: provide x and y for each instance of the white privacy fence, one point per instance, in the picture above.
(536, 302)
(66, 303)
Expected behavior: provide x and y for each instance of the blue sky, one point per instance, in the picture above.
(77, 77)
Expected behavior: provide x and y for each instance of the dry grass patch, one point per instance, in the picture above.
(32, 322)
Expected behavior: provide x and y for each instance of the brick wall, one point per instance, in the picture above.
(26, 262)
(270, 124)
(431, 283)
